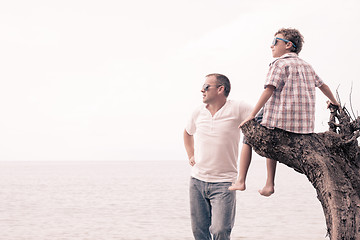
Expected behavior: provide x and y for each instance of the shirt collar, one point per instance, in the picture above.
(286, 55)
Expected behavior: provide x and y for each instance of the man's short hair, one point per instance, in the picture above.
(222, 80)
(294, 36)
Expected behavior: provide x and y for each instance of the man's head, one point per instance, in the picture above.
(288, 40)
(216, 86)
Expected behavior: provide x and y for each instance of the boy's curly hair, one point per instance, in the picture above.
(294, 36)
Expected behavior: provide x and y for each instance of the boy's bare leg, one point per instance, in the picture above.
(245, 160)
(270, 181)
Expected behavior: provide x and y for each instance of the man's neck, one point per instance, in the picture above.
(214, 107)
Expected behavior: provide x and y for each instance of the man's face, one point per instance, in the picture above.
(280, 48)
(210, 90)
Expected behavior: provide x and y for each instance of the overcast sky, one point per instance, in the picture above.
(117, 80)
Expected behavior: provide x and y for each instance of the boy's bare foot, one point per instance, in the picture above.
(267, 191)
(237, 186)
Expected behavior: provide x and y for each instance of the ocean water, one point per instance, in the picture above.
(143, 200)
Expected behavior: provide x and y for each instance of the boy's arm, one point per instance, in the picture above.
(327, 92)
(189, 146)
(261, 102)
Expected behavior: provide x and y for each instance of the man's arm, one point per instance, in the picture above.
(189, 146)
(327, 92)
(261, 102)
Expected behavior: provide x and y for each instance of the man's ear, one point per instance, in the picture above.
(221, 89)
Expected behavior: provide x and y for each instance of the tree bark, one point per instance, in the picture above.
(330, 161)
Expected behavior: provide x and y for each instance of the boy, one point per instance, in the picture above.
(288, 100)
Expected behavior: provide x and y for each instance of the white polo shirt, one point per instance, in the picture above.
(216, 140)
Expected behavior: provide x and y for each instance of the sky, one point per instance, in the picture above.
(117, 80)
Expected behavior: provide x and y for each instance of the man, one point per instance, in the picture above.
(213, 154)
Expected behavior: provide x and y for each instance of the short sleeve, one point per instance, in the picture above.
(191, 125)
(318, 81)
(242, 110)
(245, 110)
(275, 75)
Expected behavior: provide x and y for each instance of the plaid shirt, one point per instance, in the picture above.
(292, 105)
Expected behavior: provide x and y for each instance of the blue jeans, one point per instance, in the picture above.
(212, 208)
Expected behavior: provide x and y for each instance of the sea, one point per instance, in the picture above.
(140, 200)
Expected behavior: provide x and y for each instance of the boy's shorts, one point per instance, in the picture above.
(258, 118)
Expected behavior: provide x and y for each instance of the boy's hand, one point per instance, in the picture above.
(246, 120)
(331, 104)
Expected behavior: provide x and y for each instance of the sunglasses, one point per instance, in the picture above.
(206, 87)
(276, 40)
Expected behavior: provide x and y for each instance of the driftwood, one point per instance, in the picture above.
(330, 161)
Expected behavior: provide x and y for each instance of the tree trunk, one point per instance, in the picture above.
(329, 160)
